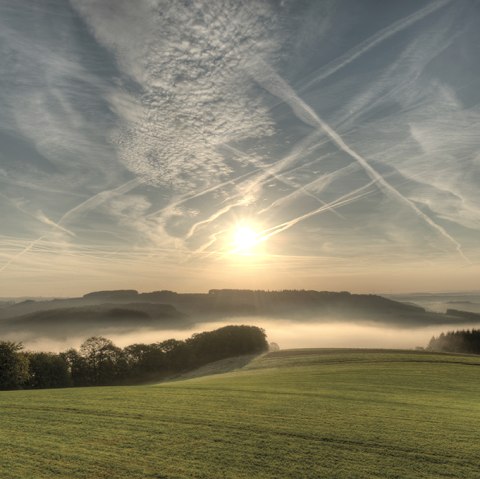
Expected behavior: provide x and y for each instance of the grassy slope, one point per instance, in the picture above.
(292, 414)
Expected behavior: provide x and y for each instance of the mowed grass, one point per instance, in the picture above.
(291, 414)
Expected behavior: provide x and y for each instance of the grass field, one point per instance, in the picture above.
(292, 414)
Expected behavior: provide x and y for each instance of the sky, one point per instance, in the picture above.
(189, 145)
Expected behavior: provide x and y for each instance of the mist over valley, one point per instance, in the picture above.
(293, 319)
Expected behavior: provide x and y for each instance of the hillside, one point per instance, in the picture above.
(101, 311)
(85, 318)
(290, 414)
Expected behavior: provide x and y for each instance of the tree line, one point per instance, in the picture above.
(464, 341)
(99, 362)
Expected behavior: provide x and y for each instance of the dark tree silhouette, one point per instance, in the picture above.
(104, 363)
(77, 367)
(100, 362)
(14, 372)
(48, 370)
(226, 342)
(144, 360)
(465, 341)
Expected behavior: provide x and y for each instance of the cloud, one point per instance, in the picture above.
(276, 85)
(191, 91)
(50, 97)
(373, 41)
(135, 135)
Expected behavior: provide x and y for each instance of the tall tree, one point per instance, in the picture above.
(48, 370)
(105, 362)
(14, 373)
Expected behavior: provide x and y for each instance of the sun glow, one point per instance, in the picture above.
(245, 239)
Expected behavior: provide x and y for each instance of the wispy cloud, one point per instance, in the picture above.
(135, 135)
(373, 41)
(276, 85)
(192, 93)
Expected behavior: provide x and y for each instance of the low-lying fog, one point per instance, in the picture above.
(440, 302)
(287, 334)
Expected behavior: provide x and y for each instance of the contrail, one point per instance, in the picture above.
(44, 219)
(213, 217)
(260, 177)
(188, 197)
(325, 180)
(374, 40)
(101, 197)
(274, 230)
(212, 239)
(343, 200)
(21, 253)
(84, 206)
(41, 217)
(304, 147)
(384, 90)
(271, 170)
(276, 85)
(248, 189)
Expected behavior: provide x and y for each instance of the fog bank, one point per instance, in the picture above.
(288, 334)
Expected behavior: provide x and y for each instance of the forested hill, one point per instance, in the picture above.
(260, 302)
(127, 310)
(99, 362)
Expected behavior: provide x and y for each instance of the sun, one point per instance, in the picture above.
(245, 239)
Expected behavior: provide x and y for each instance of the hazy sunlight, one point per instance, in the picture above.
(245, 239)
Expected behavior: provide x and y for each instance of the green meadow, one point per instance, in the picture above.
(290, 414)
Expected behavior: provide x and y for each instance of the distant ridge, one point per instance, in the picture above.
(464, 314)
(245, 301)
(118, 294)
(129, 309)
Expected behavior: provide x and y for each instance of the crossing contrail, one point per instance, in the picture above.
(343, 200)
(374, 40)
(277, 86)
